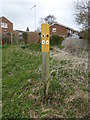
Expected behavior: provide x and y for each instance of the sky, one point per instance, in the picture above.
(23, 14)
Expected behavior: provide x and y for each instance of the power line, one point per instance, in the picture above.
(32, 7)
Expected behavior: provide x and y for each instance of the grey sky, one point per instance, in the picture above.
(18, 11)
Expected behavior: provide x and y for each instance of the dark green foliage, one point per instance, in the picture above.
(55, 85)
(6, 39)
(56, 40)
(35, 47)
(51, 48)
(25, 36)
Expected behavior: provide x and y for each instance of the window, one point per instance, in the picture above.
(20, 33)
(4, 25)
(5, 30)
(54, 30)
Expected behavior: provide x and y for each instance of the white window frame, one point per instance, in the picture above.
(54, 30)
(4, 25)
(20, 33)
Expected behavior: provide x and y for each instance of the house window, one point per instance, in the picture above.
(20, 33)
(4, 25)
(5, 30)
(54, 30)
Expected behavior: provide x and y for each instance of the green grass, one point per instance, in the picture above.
(18, 67)
(22, 85)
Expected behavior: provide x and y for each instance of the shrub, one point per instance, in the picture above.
(6, 40)
(25, 37)
(56, 40)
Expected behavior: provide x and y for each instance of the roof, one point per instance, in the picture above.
(62, 25)
(19, 31)
(6, 19)
(24, 31)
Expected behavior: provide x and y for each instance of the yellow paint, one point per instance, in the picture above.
(45, 37)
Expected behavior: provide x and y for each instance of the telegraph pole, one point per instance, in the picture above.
(35, 20)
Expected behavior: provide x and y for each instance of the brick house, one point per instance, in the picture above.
(6, 28)
(61, 30)
(6, 25)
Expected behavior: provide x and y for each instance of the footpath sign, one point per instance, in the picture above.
(45, 37)
(45, 41)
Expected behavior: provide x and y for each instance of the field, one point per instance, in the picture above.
(22, 84)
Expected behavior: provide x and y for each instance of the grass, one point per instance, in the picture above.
(22, 85)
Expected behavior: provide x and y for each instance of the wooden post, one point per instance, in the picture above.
(47, 73)
(45, 56)
(46, 80)
(71, 41)
(44, 71)
(11, 38)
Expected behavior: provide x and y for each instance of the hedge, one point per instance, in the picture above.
(56, 40)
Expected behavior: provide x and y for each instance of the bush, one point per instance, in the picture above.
(84, 34)
(25, 37)
(33, 46)
(56, 40)
(6, 40)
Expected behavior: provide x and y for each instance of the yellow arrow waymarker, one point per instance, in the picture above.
(45, 39)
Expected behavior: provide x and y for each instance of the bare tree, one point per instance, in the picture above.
(81, 13)
(50, 19)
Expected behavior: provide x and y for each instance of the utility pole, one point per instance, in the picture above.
(35, 20)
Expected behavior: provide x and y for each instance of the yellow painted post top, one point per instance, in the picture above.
(45, 37)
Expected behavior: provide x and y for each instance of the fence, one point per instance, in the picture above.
(79, 43)
(33, 37)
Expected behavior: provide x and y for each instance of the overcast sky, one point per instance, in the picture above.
(22, 16)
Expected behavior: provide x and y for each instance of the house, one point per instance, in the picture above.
(5, 25)
(6, 28)
(61, 30)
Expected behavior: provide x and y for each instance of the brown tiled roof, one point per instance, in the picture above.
(63, 26)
